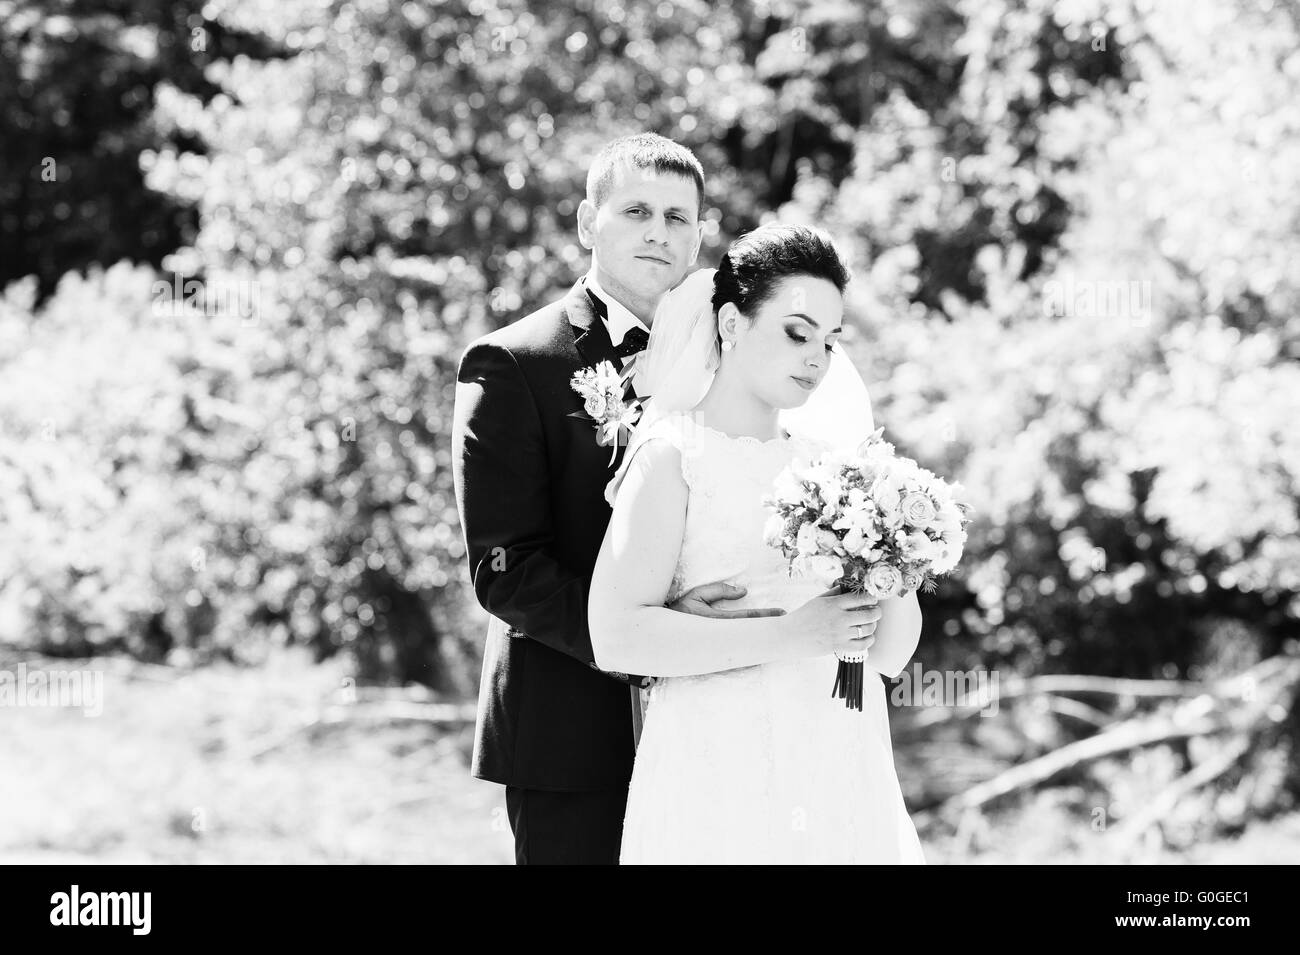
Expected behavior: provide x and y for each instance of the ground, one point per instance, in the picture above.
(223, 765)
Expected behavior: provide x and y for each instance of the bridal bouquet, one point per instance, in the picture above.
(867, 521)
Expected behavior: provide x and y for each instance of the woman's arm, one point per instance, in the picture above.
(897, 635)
(631, 630)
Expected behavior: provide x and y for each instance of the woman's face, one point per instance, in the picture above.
(783, 350)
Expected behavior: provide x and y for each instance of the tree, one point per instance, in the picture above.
(78, 85)
(1121, 414)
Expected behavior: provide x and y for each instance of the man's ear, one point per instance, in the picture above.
(587, 223)
(699, 239)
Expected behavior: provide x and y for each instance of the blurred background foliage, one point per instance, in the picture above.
(1073, 226)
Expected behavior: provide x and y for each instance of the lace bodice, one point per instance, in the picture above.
(727, 478)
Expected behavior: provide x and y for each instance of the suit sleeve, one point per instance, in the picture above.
(503, 493)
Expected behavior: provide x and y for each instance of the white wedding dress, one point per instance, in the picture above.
(759, 764)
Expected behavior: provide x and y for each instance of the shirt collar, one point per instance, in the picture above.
(618, 319)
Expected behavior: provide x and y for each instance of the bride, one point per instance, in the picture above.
(745, 757)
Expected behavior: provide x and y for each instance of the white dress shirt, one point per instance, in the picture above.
(619, 319)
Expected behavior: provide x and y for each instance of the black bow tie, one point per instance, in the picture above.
(634, 339)
(633, 343)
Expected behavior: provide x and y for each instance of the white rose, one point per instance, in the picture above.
(825, 569)
(918, 509)
(594, 406)
(884, 580)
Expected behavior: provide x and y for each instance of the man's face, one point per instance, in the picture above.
(645, 235)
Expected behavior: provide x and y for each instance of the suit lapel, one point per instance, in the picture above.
(590, 334)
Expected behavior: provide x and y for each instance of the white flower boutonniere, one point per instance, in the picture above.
(601, 389)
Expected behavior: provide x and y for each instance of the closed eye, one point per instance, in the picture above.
(830, 346)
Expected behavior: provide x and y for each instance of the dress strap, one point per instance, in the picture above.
(677, 429)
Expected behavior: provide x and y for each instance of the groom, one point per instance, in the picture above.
(530, 480)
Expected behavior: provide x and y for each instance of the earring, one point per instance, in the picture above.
(726, 346)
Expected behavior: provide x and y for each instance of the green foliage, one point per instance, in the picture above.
(1073, 228)
(115, 492)
(78, 85)
(1124, 416)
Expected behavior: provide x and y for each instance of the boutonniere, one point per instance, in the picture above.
(601, 389)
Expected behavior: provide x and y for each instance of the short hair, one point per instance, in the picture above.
(642, 151)
(759, 260)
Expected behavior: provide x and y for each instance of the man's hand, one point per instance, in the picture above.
(700, 601)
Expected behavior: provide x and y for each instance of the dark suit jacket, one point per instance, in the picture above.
(530, 484)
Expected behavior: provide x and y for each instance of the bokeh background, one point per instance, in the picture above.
(243, 244)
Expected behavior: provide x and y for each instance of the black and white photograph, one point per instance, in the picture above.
(761, 432)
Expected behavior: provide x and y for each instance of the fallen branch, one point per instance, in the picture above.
(1105, 685)
(1238, 686)
(1246, 703)
(1129, 735)
(935, 715)
(1079, 711)
(1129, 831)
